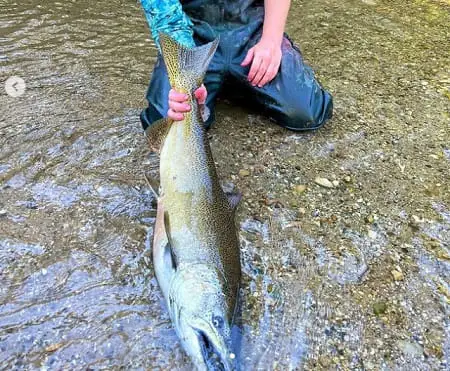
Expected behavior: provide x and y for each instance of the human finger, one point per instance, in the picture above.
(269, 75)
(261, 72)
(249, 57)
(177, 96)
(254, 68)
(179, 107)
(176, 116)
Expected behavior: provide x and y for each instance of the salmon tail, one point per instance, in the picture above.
(186, 67)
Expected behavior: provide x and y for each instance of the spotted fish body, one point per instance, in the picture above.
(196, 248)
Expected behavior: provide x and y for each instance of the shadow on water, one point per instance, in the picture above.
(354, 276)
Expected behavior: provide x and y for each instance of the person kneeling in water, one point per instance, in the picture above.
(254, 57)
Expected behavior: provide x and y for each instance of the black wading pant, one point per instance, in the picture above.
(294, 98)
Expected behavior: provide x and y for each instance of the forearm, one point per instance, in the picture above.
(167, 16)
(275, 16)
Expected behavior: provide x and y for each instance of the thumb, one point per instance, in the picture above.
(248, 57)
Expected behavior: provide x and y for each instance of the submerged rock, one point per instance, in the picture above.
(410, 349)
(398, 276)
(379, 308)
(244, 172)
(300, 188)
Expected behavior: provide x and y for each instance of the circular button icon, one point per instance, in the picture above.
(15, 86)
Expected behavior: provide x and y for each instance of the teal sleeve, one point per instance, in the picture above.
(167, 16)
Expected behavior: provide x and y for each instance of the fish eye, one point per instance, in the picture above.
(217, 322)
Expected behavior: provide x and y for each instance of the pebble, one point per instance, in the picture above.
(3, 212)
(324, 182)
(347, 179)
(411, 349)
(300, 188)
(379, 308)
(53, 347)
(324, 362)
(244, 172)
(302, 211)
(370, 219)
(416, 219)
(398, 276)
(335, 183)
(31, 205)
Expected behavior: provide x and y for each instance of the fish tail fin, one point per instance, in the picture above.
(186, 67)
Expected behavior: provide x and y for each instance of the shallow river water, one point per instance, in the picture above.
(353, 276)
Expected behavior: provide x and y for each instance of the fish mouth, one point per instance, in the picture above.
(215, 359)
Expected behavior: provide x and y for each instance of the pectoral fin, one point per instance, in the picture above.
(163, 257)
(169, 257)
(157, 132)
(204, 112)
(169, 238)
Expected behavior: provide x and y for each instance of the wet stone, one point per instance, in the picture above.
(53, 347)
(369, 2)
(244, 172)
(398, 276)
(323, 182)
(410, 349)
(369, 219)
(300, 188)
(379, 308)
(32, 205)
(372, 234)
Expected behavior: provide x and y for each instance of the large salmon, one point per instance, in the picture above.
(195, 247)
